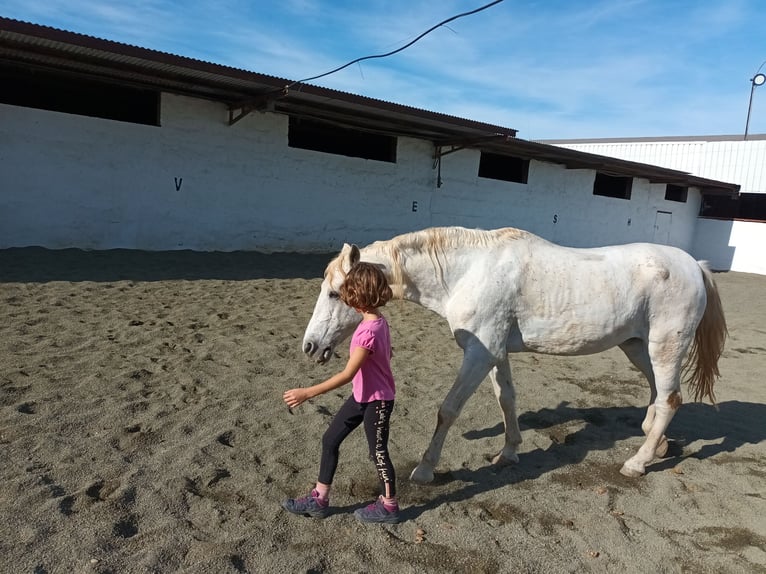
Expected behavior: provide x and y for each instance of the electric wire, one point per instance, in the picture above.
(391, 53)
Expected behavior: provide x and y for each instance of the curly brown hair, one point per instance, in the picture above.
(365, 287)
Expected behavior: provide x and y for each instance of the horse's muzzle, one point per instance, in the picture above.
(310, 349)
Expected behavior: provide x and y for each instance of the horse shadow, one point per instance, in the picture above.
(734, 423)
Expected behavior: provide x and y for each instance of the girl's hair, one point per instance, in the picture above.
(365, 287)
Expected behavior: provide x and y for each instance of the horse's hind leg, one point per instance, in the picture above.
(666, 357)
(506, 398)
(637, 352)
(477, 362)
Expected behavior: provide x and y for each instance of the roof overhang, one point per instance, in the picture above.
(31, 45)
(42, 47)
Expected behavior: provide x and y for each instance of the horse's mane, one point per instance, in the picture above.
(442, 239)
(336, 265)
(436, 242)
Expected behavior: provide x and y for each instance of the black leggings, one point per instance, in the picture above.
(376, 416)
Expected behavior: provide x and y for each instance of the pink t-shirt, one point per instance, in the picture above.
(374, 380)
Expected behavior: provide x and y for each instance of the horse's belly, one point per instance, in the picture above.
(557, 338)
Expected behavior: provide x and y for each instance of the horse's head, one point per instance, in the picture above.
(332, 320)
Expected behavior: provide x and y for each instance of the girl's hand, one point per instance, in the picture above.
(295, 397)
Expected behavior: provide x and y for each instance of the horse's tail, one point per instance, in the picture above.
(701, 366)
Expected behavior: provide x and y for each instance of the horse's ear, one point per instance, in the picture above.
(349, 255)
(354, 256)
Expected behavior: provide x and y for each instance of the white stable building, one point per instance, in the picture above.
(105, 145)
(731, 231)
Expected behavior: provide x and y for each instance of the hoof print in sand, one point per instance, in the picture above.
(126, 528)
(27, 408)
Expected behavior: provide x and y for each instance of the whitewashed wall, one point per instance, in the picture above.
(197, 183)
(728, 245)
(559, 204)
(731, 245)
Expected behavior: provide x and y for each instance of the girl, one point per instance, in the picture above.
(369, 367)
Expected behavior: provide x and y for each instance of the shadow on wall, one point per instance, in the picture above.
(711, 243)
(39, 265)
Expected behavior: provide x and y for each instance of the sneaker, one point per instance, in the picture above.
(310, 505)
(377, 513)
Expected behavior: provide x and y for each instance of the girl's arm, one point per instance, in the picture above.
(295, 397)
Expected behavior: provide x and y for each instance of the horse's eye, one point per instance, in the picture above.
(334, 295)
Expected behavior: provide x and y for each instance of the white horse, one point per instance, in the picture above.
(507, 290)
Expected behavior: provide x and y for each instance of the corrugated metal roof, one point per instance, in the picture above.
(52, 47)
(724, 159)
(32, 45)
(660, 139)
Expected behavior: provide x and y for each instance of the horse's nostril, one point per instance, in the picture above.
(308, 348)
(326, 354)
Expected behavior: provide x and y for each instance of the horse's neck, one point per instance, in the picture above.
(425, 281)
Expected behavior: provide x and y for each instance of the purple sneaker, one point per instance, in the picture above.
(310, 505)
(377, 513)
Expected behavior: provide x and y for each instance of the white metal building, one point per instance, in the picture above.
(105, 145)
(731, 234)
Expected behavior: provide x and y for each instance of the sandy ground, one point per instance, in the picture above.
(142, 430)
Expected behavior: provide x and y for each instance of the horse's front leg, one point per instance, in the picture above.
(477, 362)
(506, 398)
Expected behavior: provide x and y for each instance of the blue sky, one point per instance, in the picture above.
(548, 68)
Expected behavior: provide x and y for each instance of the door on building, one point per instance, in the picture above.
(662, 225)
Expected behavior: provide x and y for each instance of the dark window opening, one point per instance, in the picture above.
(503, 167)
(719, 206)
(324, 137)
(57, 92)
(750, 206)
(612, 186)
(676, 193)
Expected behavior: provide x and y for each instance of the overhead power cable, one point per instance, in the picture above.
(246, 107)
(391, 53)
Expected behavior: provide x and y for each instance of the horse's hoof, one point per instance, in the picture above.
(421, 475)
(504, 460)
(631, 472)
(662, 449)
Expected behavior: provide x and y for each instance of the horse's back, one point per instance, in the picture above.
(644, 264)
(575, 300)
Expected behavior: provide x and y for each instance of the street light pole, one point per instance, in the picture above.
(757, 80)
